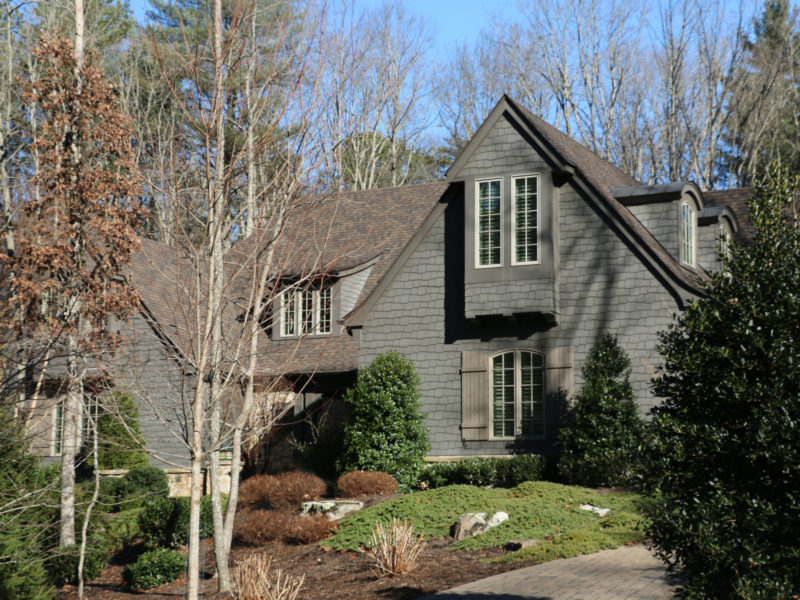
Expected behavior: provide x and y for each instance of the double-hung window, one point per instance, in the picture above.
(517, 394)
(526, 220)
(688, 228)
(489, 223)
(306, 311)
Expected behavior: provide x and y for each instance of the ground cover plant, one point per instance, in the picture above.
(544, 511)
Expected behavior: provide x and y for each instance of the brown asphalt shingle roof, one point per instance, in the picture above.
(736, 200)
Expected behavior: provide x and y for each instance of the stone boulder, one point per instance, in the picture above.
(333, 509)
(472, 524)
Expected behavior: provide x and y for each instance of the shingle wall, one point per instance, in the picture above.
(603, 288)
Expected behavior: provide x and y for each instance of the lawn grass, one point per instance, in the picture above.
(544, 511)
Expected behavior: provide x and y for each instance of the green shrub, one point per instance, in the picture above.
(164, 522)
(600, 445)
(385, 431)
(155, 568)
(725, 462)
(498, 472)
(63, 565)
(120, 440)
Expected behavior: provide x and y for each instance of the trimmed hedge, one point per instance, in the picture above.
(365, 483)
(496, 472)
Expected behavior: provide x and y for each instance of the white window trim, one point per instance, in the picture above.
(517, 395)
(514, 261)
(296, 297)
(693, 241)
(478, 183)
(286, 297)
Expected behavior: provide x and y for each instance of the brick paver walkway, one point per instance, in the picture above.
(628, 573)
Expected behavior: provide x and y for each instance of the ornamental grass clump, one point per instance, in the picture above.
(252, 580)
(395, 550)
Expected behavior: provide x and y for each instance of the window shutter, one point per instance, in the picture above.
(475, 396)
(558, 382)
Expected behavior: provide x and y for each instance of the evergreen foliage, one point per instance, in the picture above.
(600, 444)
(385, 431)
(120, 439)
(725, 462)
(155, 568)
(164, 522)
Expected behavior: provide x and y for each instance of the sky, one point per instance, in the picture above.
(452, 21)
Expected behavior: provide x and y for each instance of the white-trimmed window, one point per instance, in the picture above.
(517, 394)
(688, 232)
(525, 219)
(58, 428)
(725, 241)
(304, 312)
(489, 218)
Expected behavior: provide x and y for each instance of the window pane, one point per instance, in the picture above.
(324, 318)
(489, 223)
(526, 219)
(531, 394)
(306, 311)
(503, 395)
(287, 313)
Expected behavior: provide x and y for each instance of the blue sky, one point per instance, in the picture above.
(452, 21)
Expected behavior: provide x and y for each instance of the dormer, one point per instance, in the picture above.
(676, 216)
(510, 237)
(670, 212)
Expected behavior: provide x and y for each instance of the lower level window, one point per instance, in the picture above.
(517, 394)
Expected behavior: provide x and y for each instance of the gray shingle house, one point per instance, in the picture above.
(495, 283)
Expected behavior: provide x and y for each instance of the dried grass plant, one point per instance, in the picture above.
(252, 580)
(395, 550)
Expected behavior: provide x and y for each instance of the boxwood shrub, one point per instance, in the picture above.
(164, 522)
(155, 568)
(495, 472)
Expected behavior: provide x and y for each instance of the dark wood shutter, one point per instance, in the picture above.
(475, 396)
(558, 385)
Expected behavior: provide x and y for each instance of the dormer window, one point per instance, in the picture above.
(305, 312)
(688, 232)
(490, 222)
(526, 220)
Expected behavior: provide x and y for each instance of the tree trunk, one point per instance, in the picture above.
(73, 406)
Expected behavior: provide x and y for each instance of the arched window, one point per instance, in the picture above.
(517, 394)
(688, 228)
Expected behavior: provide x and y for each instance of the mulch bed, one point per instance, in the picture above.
(328, 574)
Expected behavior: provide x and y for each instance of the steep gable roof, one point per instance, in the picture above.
(734, 198)
(601, 176)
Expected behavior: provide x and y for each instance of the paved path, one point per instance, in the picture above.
(628, 573)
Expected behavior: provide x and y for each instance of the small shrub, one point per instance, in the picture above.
(251, 580)
(309, 529)
(386, 430)
(164, 522)
(254, 490)
(63, 566)
(395, 550)
(291, 489)
(365, 483)
(600, 445)
(155, 568)
(257, 527)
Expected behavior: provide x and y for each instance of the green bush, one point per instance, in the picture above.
(600, 444)
(120, 440)
(134, 488)
(63, 565)
(155, 568)
(385, 431)
(498, 472)
(725, 463)
(164, 522)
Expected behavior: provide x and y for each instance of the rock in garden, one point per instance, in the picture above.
(598, 511)
(472, 524)
(513, 545)
(333, 509)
